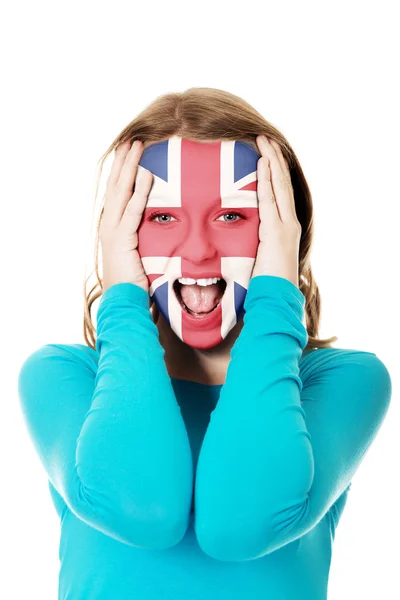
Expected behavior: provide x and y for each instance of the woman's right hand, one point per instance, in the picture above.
(122, 216)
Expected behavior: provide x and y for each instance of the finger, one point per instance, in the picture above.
(134, 209)
(120, 191)
(281, 159)
(119, 159)
(286, 176)
(267, 206)
(129, 168)
(280, 184)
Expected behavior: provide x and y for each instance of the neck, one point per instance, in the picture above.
(203, 366)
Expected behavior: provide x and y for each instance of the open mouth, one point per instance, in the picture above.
(177, 289)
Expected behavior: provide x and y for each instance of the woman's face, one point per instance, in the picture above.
(201, 221)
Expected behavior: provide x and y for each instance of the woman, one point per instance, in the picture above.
(204, 444)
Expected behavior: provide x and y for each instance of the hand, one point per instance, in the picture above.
(279, 230)
(122, 216)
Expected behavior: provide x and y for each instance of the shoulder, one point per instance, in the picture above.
(58, 354)
(345, 364)
(312, 357)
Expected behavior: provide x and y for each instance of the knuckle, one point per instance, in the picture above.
(105, 230)
(104, 235)
(283, 180)
(131, 207)
(297, 226)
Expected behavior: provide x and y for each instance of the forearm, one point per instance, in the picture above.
(256, 455)
(133, 455)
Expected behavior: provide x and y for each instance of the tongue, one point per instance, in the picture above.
(201, 298)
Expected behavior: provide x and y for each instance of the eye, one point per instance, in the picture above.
(235, 214)
(155, 215)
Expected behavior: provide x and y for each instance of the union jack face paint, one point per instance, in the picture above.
(195, 184)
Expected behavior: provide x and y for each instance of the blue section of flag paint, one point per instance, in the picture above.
(161, 298)
(245, 159)
(239, 294)
(155, 159)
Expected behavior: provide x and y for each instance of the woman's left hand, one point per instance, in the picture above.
(279, 230)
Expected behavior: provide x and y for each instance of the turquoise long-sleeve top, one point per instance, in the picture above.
(167, 488)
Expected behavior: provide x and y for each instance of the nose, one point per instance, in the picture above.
(198, 246)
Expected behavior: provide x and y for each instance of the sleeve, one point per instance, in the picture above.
(108, 429)
(278, 452)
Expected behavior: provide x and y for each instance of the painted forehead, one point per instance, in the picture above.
(184, 168)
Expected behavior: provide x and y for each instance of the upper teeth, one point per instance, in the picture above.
(189, 281)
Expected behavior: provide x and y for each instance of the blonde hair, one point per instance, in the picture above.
(206, 114)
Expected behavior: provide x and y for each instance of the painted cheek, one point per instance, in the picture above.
(241, 239)
(157, 239)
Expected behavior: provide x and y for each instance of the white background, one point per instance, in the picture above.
(74, 74)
